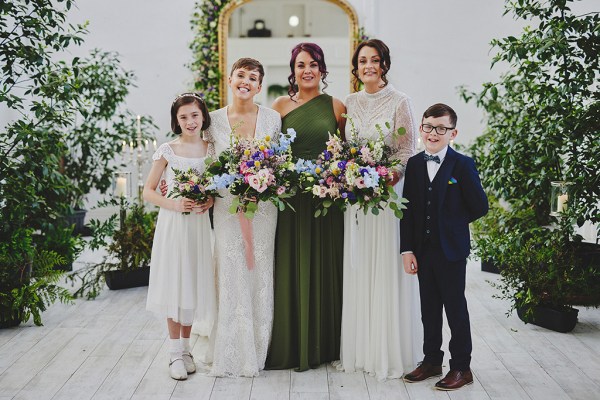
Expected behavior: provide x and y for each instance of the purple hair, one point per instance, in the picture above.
(317, 54)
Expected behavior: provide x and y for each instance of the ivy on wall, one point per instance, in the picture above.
(205, 50)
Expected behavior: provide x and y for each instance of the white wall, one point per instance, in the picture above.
(436, 46)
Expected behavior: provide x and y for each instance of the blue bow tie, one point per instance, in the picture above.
(431, 158)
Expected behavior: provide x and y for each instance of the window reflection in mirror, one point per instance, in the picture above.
(268, 29)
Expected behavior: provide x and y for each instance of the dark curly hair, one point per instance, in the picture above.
(384, 55)
(317, 54)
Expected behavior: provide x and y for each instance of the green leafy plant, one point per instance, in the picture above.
(28, 279)
(542, 125)
(101, 126)
(129, 246)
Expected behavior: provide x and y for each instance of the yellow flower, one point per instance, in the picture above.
(257, 164)
(246, 152)
(318, 170)
(267, 138)
(335, 171)
(353, 150)
(261, 147)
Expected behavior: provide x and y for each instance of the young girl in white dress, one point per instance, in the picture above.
(242, 331)
(181, 284)
(381, 328)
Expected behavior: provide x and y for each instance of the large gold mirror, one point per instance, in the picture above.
(267, 30)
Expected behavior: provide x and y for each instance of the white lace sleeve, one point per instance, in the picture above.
(405, 146)
(165, 151)
(208, 137)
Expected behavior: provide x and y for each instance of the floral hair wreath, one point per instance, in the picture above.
(187, 95)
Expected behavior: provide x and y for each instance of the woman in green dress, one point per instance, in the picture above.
(308, 250)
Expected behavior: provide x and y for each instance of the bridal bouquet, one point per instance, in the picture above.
(193, 185)
(255, 170)
(356, 171)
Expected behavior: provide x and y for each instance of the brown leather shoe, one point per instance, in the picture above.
(455, 379)
(422, 372)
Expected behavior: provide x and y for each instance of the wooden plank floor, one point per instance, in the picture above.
(111, 348)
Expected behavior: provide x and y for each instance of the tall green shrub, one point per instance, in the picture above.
(542, 125)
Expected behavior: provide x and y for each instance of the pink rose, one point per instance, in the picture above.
(329, 180)
(322, 191)
(382, 171)
(359, 183)
(253, 181)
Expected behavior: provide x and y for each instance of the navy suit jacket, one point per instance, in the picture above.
(461, 200)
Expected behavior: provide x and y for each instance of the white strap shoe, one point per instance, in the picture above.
(188, 361)
(177, 369)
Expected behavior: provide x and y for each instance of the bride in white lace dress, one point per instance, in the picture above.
(242, 331)
(381, 329)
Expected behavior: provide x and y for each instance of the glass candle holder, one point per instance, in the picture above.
(559, 197)
(121, 185)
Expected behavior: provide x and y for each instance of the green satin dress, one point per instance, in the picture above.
(308, 259)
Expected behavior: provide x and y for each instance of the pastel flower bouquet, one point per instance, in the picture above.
(357, 171)
(193, 185)
(255, 170)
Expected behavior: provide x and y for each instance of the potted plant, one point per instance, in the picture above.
(100, 130)
(129, 247)
(542, 126)
(28, 280)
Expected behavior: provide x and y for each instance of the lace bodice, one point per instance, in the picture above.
(176, 162)
(387, 105)
(268, 122)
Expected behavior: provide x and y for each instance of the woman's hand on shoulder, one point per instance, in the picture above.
(339, 108)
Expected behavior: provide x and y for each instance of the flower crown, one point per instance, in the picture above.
(187, 95)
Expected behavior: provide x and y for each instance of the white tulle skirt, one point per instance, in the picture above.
(182, 279)
(381, 325)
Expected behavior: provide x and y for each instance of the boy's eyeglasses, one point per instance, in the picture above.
(440, 130)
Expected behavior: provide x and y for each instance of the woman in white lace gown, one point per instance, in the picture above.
(381, 329)
(242, 331)
(181, 274)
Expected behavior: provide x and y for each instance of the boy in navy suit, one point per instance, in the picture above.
(445, 195)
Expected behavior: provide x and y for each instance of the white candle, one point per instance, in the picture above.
(146, 144)
(131, 147)
(124, 146)
(121, 187)
(154, 144)
(139, 124)
(561, 204)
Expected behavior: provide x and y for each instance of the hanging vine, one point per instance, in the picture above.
(205, 50)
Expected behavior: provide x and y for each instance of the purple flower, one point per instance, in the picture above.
(342, 165)
(250, 163)
(351, 196)
(344, 195)
(364, 171)
(327, 155)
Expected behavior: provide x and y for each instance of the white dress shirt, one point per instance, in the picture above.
(432, 166)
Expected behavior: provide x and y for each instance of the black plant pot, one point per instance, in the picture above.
(490, 266)
(9, 318)
(78, 219)
(563, 320)
(119, 279)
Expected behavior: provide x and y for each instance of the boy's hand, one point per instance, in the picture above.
(163, 187)
(410, 263)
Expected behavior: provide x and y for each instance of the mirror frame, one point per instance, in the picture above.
(223, 27)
